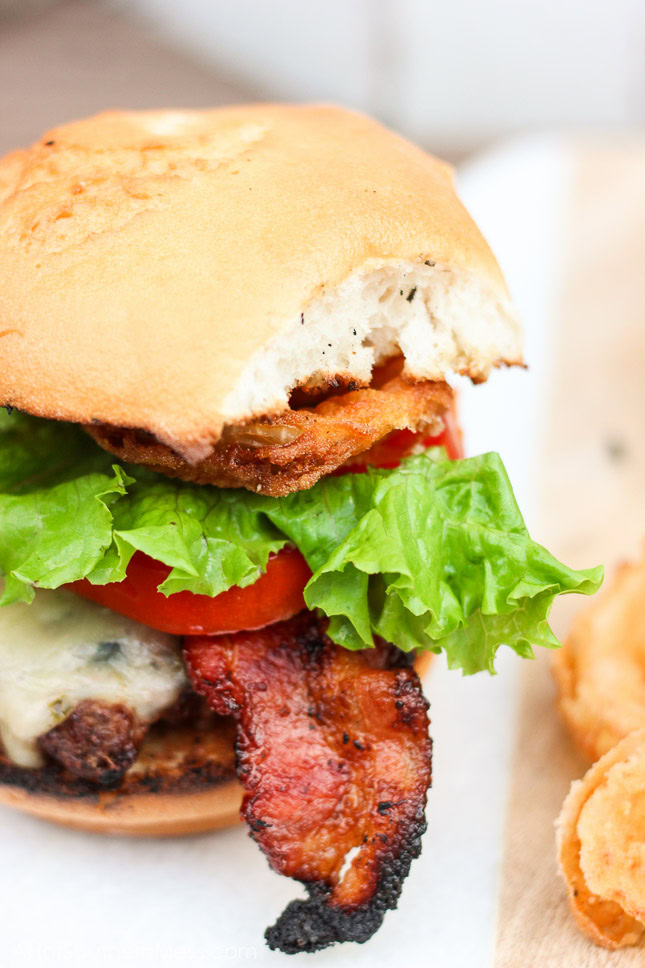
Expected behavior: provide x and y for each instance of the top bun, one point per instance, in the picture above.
(178, 271)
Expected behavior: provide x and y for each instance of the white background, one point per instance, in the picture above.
(453, 75)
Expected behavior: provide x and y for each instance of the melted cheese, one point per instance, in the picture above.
(62, 649)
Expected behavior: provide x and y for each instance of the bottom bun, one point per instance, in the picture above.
(183, 782)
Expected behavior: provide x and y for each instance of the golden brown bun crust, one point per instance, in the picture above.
(146, 257)
(179, 785)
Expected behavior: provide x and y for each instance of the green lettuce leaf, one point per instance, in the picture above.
(56, 496)
(432, 555)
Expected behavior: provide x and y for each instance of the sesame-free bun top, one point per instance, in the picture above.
(177, 271)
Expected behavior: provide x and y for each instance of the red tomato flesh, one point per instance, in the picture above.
(274, 597)
(390, 451)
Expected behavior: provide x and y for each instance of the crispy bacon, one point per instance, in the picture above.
(335, 758)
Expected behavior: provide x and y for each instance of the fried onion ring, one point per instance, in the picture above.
(292, 450)
(600, 671)
(334, 755)
(601, 846)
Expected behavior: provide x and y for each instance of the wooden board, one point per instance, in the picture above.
(592, 509)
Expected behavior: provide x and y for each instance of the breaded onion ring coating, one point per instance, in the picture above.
(601, 846)
(600, 671)
(293, 449)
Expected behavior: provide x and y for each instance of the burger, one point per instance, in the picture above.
(235, 516)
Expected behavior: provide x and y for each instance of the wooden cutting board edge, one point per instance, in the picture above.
(591, 510)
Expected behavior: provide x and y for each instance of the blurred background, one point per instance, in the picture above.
(454, 76)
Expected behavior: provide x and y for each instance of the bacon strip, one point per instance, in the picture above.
(335, 757)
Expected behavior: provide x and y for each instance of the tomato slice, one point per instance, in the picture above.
(390, 451)
(451, 437)
(275, 596)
